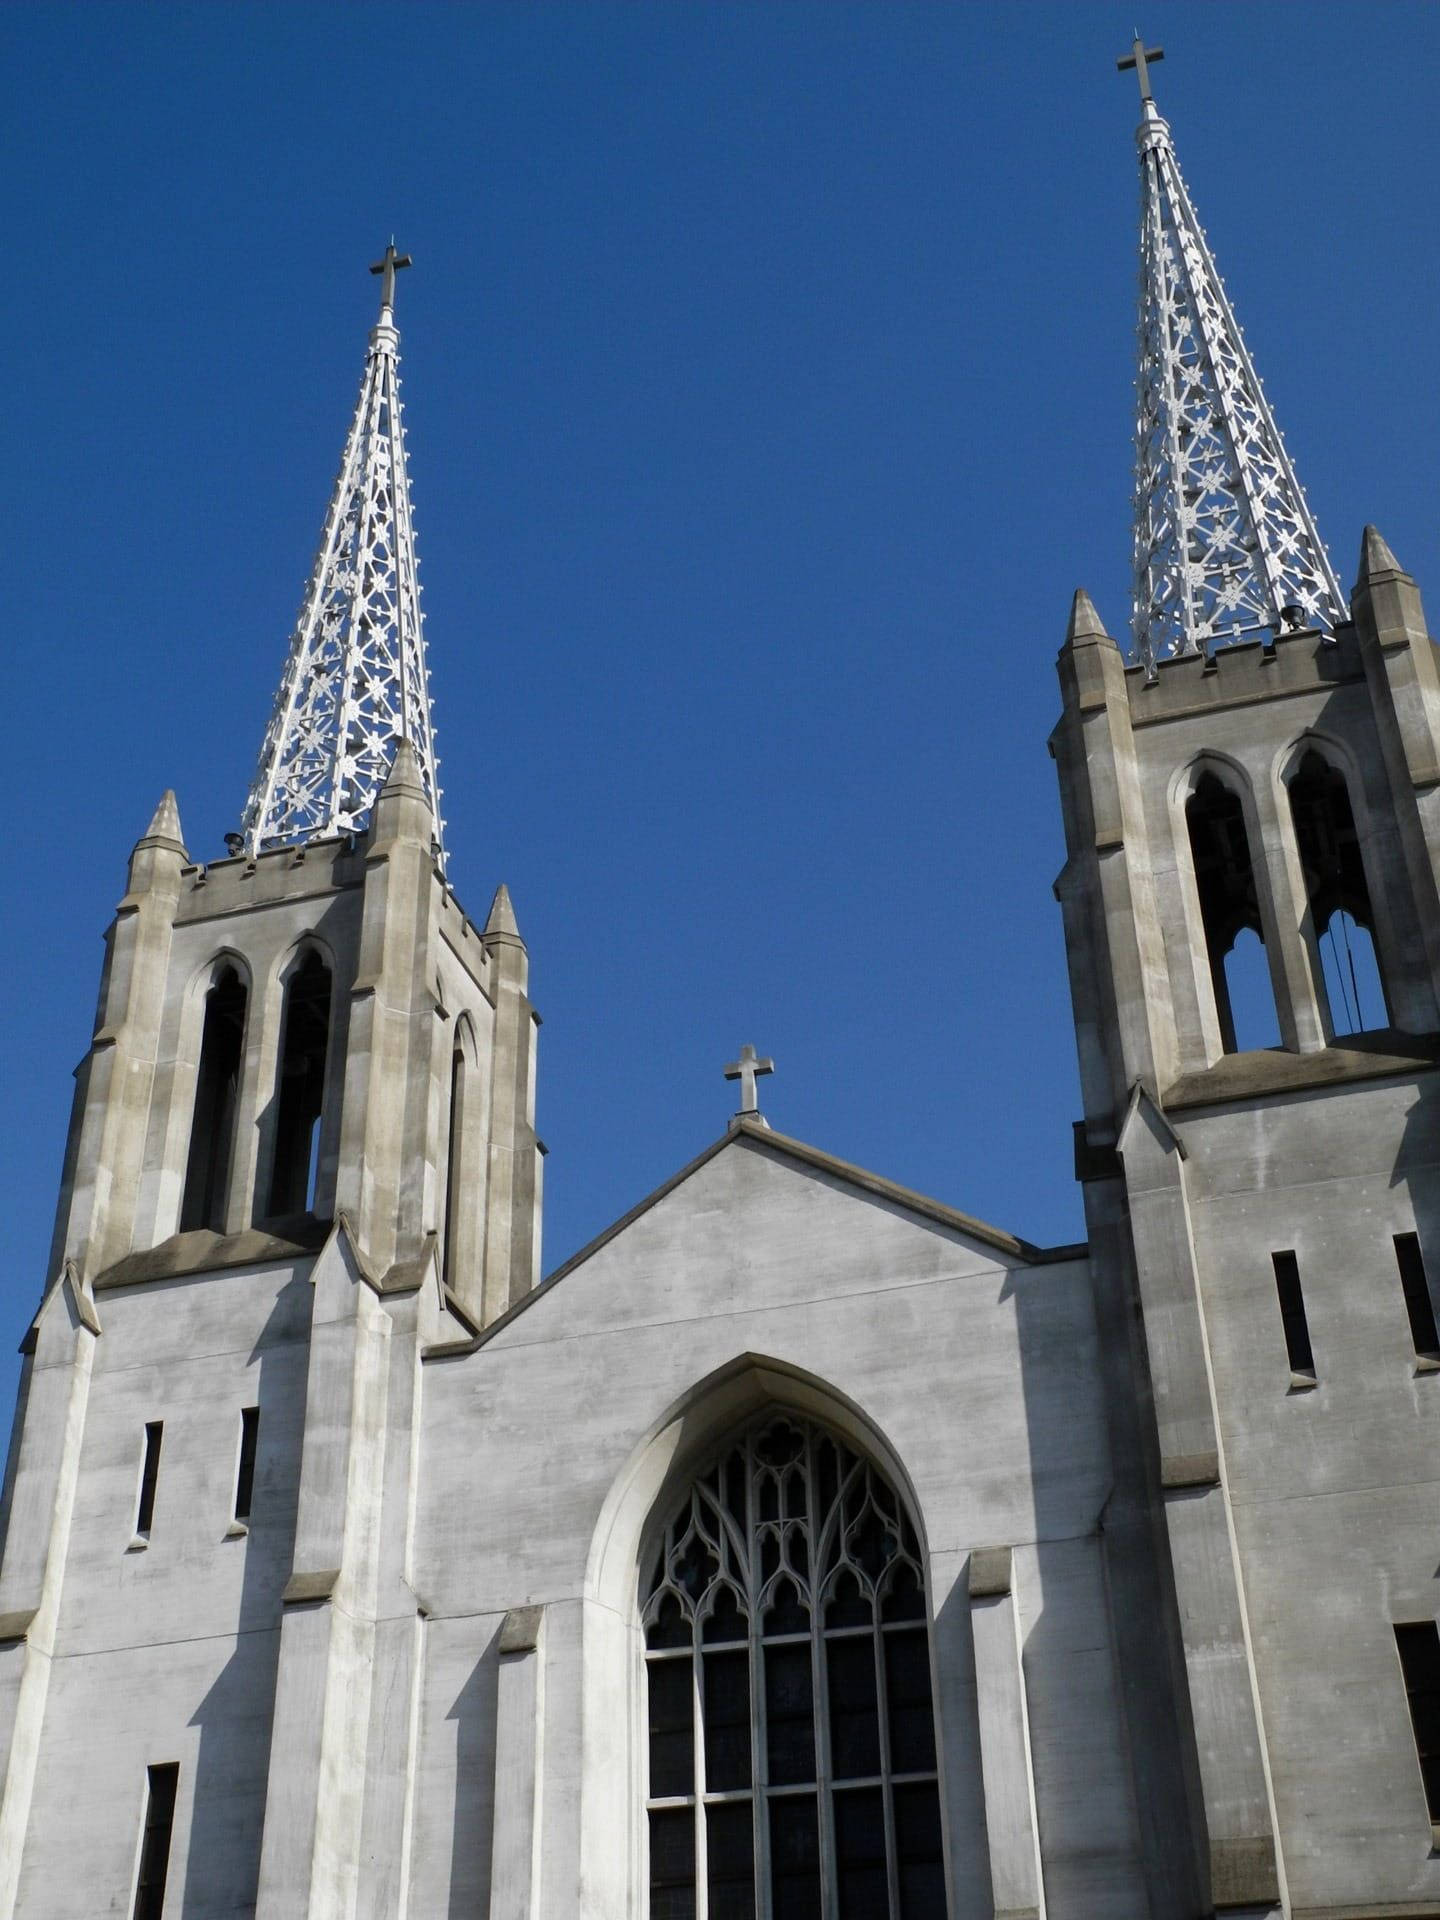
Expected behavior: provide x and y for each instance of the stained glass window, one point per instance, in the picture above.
(792, 1771)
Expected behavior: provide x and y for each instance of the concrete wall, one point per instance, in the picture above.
(167, 1652)
(549, 1451)
(1294, 1520)
(1334, 1490)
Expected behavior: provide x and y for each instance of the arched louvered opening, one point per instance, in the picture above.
(792, 1756)
(1229, 909)
(1341, 918)
(300, 1088)
(217, 1096)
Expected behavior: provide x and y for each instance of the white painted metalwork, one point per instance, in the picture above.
(792, 1735)
(355, 680)
(1225, 546)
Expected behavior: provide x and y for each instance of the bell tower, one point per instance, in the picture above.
(1253, 931)
(302, 1150)
(312, 1029)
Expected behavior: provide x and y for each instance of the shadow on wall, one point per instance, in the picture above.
(472, 1824)
(1099, 1677)
(228, 1798)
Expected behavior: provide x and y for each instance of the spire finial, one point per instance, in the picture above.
(356, 678)
(1225, 546)
(1141, 58)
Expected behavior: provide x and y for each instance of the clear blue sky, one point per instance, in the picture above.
(769, 380)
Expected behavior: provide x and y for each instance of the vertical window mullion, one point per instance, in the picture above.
(882, 1703)
(820, 1692)
(697, 1721)
(701, 1832)
(759, 1737)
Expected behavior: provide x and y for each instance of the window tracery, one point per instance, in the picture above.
(792, 1763)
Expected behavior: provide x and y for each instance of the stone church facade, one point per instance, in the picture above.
(804, 1547)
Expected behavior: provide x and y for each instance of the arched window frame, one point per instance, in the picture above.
(288, 966)
(178, 1102)
(463, 1174)
(201, 1147)
(1338, 760)
(1236, 780)
(868, 1496)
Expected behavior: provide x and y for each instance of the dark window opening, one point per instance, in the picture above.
(791, 1723)
(1418, 1302)
(452, 1162)
(1292, 1314)
(1230, 909)
(160, 1789)
(1342, 923)
(245, 1475)
(1419, 1650)
(300, 1096)
(217, 1092)
(149, 1476)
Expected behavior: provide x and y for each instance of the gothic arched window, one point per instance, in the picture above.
(1342, 922)
(1230, 913)
(792, 1732)
(300, 1089)
(217, 1092)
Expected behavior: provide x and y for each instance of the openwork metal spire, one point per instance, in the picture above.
(1225, 546)
(355, 679)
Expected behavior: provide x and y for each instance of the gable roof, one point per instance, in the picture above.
(744, 1129)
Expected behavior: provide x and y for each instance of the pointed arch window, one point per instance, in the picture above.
(451, 1250)
(217, 1098)
(300, 1089)
(1230, 915)
(1342, 921)
(792, 1760)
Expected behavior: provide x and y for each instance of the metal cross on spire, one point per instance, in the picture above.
(355, 680)
(389, 266)
(1225, 545)
(746, 1070)
(1139, 57)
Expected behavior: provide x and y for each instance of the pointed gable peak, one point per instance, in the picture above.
(1086, 626)
(1375, 555)
(164, 828)
(355, 676)
(501, 918)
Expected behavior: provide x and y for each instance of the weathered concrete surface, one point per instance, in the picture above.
(1298, 1525)
(999, 1435)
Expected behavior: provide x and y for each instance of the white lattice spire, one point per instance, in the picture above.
(1225, 546)
(355, 679)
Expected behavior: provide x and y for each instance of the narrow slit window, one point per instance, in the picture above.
(149, 1478)
(452, 1164)
(217, 1094)
(1419, 1648)
(161, 1785)
(1418, 1301)
(1342, 923)
(1230, 915)
(300, 1093)
(1292, 1314)
(245, 1473)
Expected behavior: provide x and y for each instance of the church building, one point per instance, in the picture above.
(804, 1548)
